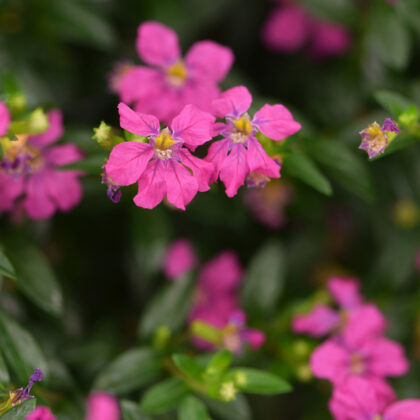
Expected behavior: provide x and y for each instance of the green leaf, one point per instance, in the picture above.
(21, 411)
(233, 410)
(35, 278)
(343, 11)
(169, 308)
(91, 165)
(20, 350)
(164, 396)
(388, 37)
(188, 365)
(130, 411)
(129, 371)
(264, 279)
(259, 382)
(409, 117)
(6, 267)
(393, 102)
(299, 165)
(219, 362)
(192, 408)
(342, 163)
(400, 142)
(4, 373)
(74, 20)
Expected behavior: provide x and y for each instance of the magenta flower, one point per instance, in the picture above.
(239, 152)
(30, 171)
(355, 320)
(4, 119)
(356, 399)
(374, 357)
(163, 166)
(290, 27)
(41, 413)
(375, 138)
(172, 82)
(179, 259)
(102, 406)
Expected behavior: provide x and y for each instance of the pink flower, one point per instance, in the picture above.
(30, 170)
(239, 152)
(376, 357)
(356, 399)
(160, 166)
(102, 406)
(289, 28)
(4, 119)
(179, 259)
(172, 82)
(41, 413)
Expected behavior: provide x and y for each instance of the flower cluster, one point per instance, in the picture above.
(100, 406)
(216, 301)
(357, 357)
(290, 27)
(30, 175)
(375, 138)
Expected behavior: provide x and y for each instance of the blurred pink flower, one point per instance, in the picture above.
(102, 406)
(179, 259)
(41, 413)
(357, 399)
(30, 169)
(239, 152)
(160, 166)
(4, 119)
(171, 82)
(289, 27)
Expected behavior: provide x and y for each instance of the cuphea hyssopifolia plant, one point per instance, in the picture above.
(357, 357)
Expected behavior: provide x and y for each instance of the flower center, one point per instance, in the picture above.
(21, 158)
(242, 129)
(231, 338)
(163, 145)
(177, 73)
(357, 365)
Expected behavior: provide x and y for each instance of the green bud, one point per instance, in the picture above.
(409, 117)
(227, 391)
(161, 337)
(105, 137)
(38, 122)
(206, 332)
(16, 103)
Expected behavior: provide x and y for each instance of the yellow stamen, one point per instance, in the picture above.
(357, 365)
(164, 140)
(177, 73)
(243, 125)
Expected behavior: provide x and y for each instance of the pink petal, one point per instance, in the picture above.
(330, 361)
(364, 322)
(259, 161)
(217, 154)
(233, 102)
(41, 413)
(53, 133)
(234, 169)
(201, 169)
(221, 275)
(207, 59)
(345, 291)
(386, 357)
(179, 259)
(385, 395)
(181, 186)
(403, 410)
(254, 337)
(138, 83)
(275, 122)
(157, 44)
(128, 161)
(286, 29)
(329, 39)
(4, 119)
(152, 187)
(10, 189)
(64, 189)
(319, 322)
(201, 93)
(64, 154)
(102, 406)
(137, 123)
(38, 203)
(193, 126)
(354, 399)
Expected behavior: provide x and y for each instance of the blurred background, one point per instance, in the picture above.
(107, 257)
